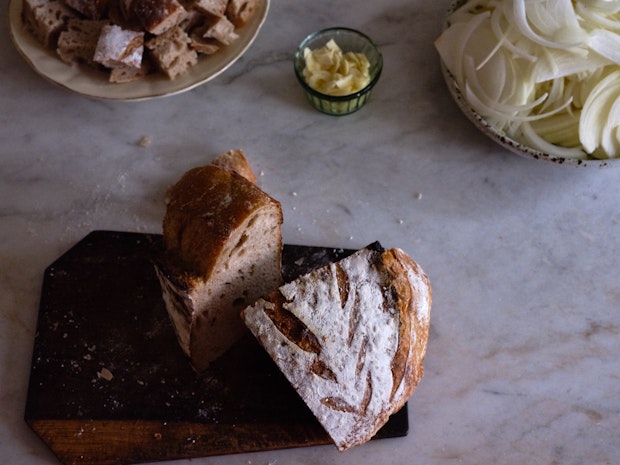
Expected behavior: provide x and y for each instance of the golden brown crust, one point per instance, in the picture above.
(222, 250)
(235, 160)
(407, 368)
(203, 208)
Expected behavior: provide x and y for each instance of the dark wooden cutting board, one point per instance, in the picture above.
(109, 383)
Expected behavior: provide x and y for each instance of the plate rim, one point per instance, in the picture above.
(88, 82)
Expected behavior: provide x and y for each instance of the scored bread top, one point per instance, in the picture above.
(351, 338)
(203, 207)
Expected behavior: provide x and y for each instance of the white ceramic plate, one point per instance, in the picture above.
(92, 83)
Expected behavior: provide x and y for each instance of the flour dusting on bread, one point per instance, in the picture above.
(350, 338)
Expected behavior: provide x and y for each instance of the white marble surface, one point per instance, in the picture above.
(523, 362)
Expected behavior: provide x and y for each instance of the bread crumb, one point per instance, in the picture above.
(145, 141)
(418, 195)
(105, 374)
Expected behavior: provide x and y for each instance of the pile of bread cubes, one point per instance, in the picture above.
(129, 39)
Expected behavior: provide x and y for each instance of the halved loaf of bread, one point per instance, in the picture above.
(350, 337)
(223, 250)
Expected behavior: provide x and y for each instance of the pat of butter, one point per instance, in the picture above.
(331, 71)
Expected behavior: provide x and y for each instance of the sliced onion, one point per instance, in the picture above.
(503, 36)
(520, 16)
(593, 123)
(534, 140)
(606, 44)
(524, 61)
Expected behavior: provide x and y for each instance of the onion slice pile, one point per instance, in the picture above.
(544, 72)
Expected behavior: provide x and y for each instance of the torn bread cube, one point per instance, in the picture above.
(78, 42)
(46, 19)
(220, 29)
(211, 7)
(204, 46)
(91, 9)
(192, 19)
(350, 337)
(172, 53)
(158, 16)
(239, 12)
(123, 74)
(118, 47)
(120, 13)
(236, 161)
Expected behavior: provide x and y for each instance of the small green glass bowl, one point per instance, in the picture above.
(349, 40)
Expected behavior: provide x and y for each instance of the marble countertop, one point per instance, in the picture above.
(523, 362)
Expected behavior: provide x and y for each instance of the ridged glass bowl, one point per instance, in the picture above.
(349, 40)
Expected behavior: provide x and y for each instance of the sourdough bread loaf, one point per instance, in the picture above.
(223, 250)
(350, 337)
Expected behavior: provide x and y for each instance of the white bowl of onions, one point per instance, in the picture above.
(540, 78)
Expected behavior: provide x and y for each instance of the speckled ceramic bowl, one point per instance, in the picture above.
(501, 138)
(349, 40)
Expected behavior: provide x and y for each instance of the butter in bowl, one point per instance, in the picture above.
(338, 68)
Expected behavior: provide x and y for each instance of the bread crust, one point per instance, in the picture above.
(198, 221)
(414, 301)
(351, 338)
(222, 251)
(158, 16)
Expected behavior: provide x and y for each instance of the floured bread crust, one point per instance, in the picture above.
(351, 338)
(223, 250)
